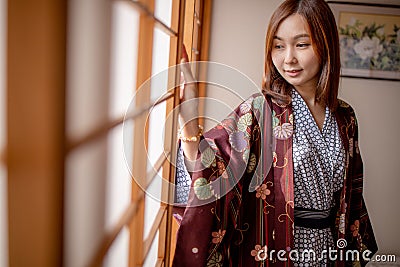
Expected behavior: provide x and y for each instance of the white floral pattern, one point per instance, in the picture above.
(368, 47)
(203, 189)
(283, 131)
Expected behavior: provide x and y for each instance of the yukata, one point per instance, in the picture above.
(241, 205)
(318, 164)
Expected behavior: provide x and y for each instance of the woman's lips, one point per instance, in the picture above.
(293, 73)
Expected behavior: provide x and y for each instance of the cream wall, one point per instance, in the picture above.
(237, 39)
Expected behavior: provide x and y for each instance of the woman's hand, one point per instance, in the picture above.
(188, 111)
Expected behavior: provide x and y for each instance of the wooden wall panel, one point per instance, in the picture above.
(36, 52)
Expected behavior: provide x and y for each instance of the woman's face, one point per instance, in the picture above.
(293, 54)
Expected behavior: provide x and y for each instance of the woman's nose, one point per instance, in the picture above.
(290, 56)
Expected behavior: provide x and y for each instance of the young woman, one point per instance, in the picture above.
(307, 209)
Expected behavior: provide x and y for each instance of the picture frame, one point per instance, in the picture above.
(369, 37)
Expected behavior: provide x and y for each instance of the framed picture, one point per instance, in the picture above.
(369, 39)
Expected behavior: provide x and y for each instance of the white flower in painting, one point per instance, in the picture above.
(350, 42)
(368, 48)
(380, 32)
(352, 21)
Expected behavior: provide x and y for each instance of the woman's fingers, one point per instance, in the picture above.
(185, 66)
(188, 88)
(185, 55)
(182, 86)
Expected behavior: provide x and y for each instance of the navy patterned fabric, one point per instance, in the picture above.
(183, 179)
(319, 162)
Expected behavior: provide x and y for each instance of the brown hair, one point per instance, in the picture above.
(325, 41)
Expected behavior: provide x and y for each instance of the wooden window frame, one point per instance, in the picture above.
(181, 25)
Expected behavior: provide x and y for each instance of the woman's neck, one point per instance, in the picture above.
(309, 95)
(317, 109)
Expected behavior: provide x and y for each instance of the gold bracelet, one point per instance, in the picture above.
(191, 138)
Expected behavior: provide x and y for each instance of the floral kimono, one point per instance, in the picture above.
(240, 210)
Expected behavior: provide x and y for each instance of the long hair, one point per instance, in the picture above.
(325, 41)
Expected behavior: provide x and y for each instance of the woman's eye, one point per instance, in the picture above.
(278, 46)
(301, 45)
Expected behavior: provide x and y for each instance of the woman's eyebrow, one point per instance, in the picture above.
(298, 36)
(302, 35)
